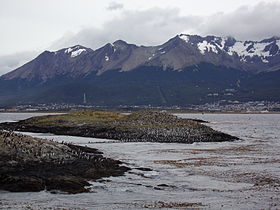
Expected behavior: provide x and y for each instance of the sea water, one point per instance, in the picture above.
(244, 174)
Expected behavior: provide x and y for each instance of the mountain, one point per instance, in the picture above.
(184, 70)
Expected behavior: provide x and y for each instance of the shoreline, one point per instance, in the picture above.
(235, 112)
(29, 164)
(166, 110)
(33, 164)
(215, 174)
(142, 126)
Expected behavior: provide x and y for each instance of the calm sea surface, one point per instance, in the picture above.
(230, 175)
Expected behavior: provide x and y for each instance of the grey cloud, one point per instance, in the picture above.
(246, 23)
(155, 26)
(115, 6)
(149, 27)
(11, 62)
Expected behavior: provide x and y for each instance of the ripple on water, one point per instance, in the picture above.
(243, 174)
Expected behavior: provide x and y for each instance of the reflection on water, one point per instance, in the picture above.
(238, 175)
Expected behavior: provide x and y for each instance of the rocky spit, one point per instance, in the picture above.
(32, 164)
(141, 126)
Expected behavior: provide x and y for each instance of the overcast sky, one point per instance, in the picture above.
(29, 27)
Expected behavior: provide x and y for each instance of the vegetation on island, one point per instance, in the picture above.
(32, 164)
(141, 126)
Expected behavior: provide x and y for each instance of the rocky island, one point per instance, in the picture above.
(32, 164)
(141, 126)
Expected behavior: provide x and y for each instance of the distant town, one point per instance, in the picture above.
(219, 106)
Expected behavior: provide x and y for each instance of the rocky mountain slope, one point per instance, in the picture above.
(124, 66)
(177, 53)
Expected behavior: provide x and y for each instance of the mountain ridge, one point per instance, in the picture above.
(177, 53)
(187, 69)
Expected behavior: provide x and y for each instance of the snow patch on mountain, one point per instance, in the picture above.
(68, 50)
(278, 43)
(184, 37)
(221, 45)
(206, 47)
(238, 48)
(259, 50)
(264, 60)
(249, 49)
(77, 52)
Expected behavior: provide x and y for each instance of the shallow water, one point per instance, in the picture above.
(230, 175)
(13, 117)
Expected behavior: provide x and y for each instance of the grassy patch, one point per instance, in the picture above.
(87, 117)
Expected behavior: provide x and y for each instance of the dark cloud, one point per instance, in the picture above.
(115, 6)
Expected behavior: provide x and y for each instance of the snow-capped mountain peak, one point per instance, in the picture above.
(184, 37)
(177, 53)
(75, 51)
(245, 51)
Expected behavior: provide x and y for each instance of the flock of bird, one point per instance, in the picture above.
(27, 148)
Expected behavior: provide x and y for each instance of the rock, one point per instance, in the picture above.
(144, 169)
(22, 184)
(69, 184)
(163, 185)
(157, 188)
(141, 126)
(199, 121)
(43, 164)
